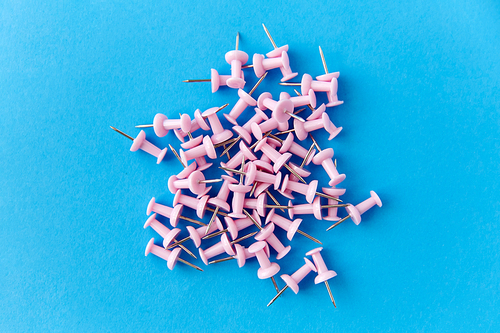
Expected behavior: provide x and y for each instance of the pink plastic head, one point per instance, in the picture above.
(317, 208)
(171, 184)
(149, 220)
(354, 213)
(305, 84)
(202, 205)
(280, 111)
(195, 237)
(200, 120)
(261, 204)
(316, 114)
(175, 215)
(228, 247)
(150, 206)
(266, 232)
(260, 100)
(243, 133)
(263, 166)
(149, 246)
(277, 51)
(287, 143)
(300, 131)
(251, 172)
(185, 123)
(293, 228)
(328, 77)
(219, 203)
(247, 152)
(160, 131)
(192, 143)
(323, 155)
(280, 161)
(161, 155)
(257, 64)
(231, 227)
(209, 146)
(312, 98)
(215, 80)
(138, 141)
(173, 257)
(187, 171)
(240, 255)
(170, 237)
(261, 188)
(311, 191)
(236, 55)
(195, 182)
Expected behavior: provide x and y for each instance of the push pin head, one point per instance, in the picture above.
(267, 268)
(170, 256)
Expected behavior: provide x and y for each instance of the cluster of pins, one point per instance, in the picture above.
(248, 182)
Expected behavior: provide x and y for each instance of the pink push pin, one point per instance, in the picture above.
(278, 159)
(207, 148)
(298, 170)
(309, 190)
(200, 161)
(355, 212)
(223, 246)
(196, 234)
(261, 65)
(242, 254)
(330, 86)
(332, 212)
(258, 130)
(253, 175)
(324, 158)
(290, 146)
(291, 227)
(244, 101)
(286, 71)
(167, 234)
(259, 204)
(302, 129)
(282, 109)
(239, 191)
(220, 133)
(236, 59)
(294, 280)
(161, 124)
(171, 257)
(267, 269)
(140, 142)
(306, 99)
(333, 99)
(311, 208)
(195, 183)
(217, 80)
(221, 199)
(323, 273)
(235, 226)
(199, 205)
(267, 234)
(244, 152)
(172, 213)
(197, 123)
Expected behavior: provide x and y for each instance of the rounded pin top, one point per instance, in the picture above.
(328, 77)
(266, 232)
(149, 246)
(149, 220)
(158, 127)
(150, 206)
(376, 198)
(293, 228)
(137, 143)
(323, 155)
(277, 51)
(209, 146)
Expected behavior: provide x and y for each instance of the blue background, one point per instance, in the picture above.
(421, 127)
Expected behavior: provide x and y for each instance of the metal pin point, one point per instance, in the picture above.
(274, 199)
(252, 219)
(212, 219)
(125, 135)
(323, 60)
(269, 36)
(176, 155)
(278, 295)
(144, 126)
(190, 264)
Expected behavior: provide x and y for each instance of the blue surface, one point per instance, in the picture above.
(421, 127)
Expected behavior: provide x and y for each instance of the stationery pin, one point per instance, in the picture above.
(286, 71)
(355, 212)
(245, 100)
(212, 219)
(323, 273)
(140, 142)
(170, 256)
(216, 79)
(294, 280)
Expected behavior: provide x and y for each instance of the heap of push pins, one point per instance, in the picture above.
(260, 165)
